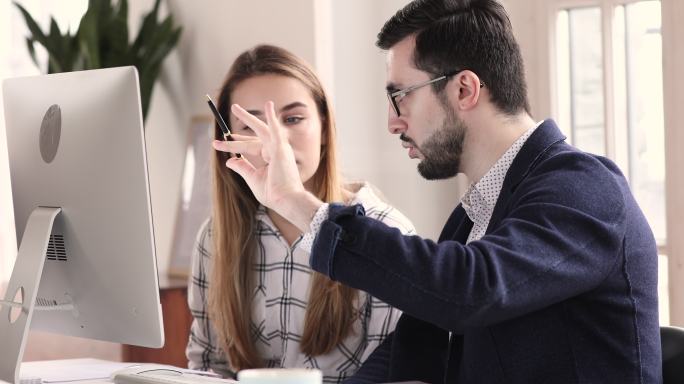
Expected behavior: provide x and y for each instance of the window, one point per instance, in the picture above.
(609, 98)
(16, 61)
(580, 77)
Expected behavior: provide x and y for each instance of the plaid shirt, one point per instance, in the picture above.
(280, 301)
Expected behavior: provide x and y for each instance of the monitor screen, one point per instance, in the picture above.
(75, 141)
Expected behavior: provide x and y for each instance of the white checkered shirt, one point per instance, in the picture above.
(280, 300)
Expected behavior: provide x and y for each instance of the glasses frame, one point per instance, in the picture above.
(393, 95)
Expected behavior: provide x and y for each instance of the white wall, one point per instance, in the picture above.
(529, 32)
(214, 33)
(338, 39)
(367, 149)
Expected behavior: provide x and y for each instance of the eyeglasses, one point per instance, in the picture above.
(396, 96)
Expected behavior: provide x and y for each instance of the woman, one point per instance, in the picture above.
(254, 298)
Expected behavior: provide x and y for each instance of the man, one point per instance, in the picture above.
(546, 272)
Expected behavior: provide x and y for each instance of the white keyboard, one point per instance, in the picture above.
(164, 376)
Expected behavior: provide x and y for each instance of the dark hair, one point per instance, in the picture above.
(464, 34)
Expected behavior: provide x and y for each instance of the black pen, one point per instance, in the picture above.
(222, 123)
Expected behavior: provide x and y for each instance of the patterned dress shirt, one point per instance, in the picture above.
(480, 198)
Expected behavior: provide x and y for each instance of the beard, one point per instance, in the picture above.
(443, 149)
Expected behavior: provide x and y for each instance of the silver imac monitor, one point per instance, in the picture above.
(78, 171)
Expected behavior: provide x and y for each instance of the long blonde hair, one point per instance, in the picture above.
(331, 311)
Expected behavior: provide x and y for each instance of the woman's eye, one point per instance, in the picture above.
(293, 120)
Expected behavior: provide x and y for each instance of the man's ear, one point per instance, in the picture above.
(465, 90)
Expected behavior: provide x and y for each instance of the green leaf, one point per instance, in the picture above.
(121, 11)
(147, 30)
(102, 40)
(32, 51)
(117, 47)
(54, 28)
(36, 33)
(54, 66)
(121, 20)
(33, 27)
(163, 43)
(88, 37)
(58, 53)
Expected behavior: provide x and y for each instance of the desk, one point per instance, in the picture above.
(62, 371)
(86, 371)
(173, 293)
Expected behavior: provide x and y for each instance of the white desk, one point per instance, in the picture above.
(85, 371)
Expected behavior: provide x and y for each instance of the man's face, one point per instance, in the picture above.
(442, 150)
(428, 126)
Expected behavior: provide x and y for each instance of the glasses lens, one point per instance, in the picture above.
(393, 103)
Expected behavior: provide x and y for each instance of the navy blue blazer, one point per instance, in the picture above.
(562, 288)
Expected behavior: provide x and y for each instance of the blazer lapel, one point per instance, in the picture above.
(457, 227)
(546, 135)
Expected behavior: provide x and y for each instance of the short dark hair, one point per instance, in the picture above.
(465, 34)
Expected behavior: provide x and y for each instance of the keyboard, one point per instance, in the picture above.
(145, 375)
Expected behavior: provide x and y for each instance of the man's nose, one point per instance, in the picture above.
(395, 124)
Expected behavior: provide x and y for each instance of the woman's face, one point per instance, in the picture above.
(296, 112)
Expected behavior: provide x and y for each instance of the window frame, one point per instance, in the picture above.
(607, 8)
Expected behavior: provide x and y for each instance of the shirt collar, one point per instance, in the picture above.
(479, 201)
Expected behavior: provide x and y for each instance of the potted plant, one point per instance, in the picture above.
(102, 41)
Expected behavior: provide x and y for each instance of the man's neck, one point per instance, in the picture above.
(487, 141)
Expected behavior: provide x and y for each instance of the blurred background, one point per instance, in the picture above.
(604, 69)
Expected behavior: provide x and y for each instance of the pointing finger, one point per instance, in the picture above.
(239, 137)
(258, 126)
(272, 120)
(244, 147)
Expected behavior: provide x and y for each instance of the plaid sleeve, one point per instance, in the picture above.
(319, 217)
(392, 217)
(203, 351)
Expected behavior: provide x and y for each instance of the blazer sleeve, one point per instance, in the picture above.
(560, 236)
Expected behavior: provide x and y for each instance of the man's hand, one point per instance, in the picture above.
(276, 182)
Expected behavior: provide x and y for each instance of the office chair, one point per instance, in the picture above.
(672, 340)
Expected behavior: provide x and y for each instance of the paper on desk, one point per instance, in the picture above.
(60, 371)
(55, 371)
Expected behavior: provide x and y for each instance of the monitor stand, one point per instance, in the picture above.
(20, 298)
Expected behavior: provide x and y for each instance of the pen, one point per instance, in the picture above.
(222, 123)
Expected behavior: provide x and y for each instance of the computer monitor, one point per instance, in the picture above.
(77, 156)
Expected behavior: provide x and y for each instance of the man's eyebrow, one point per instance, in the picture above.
(293, 105)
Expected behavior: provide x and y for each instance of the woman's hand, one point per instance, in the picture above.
(276, 182)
